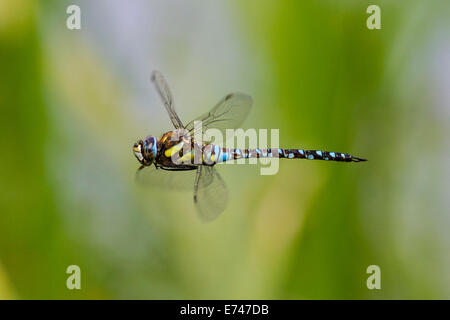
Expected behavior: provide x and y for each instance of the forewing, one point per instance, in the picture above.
(166, 96)
(229, 113)
(210, 193)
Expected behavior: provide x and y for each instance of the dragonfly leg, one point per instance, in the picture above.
(178, 168)
(197, 178)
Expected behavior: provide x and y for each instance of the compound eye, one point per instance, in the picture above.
(150, 146)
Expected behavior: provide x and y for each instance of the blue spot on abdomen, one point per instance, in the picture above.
(225, 156)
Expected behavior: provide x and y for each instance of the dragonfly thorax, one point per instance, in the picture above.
(146, 150)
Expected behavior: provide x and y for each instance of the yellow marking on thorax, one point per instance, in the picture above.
(173, 150)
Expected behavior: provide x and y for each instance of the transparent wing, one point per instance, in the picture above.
(164, 92)
(174, 180)
(229, 113)
(210, 193)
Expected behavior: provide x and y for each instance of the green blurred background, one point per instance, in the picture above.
(74, 101)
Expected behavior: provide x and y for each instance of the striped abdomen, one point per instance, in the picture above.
(213, 153)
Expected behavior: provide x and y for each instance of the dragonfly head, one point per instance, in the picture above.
(145, 150)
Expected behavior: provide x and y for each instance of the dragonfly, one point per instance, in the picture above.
(179, 161)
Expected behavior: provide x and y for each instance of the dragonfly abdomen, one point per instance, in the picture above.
(212, 154)
(217, 154)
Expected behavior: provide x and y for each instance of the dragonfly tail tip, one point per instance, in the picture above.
(356, 159)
